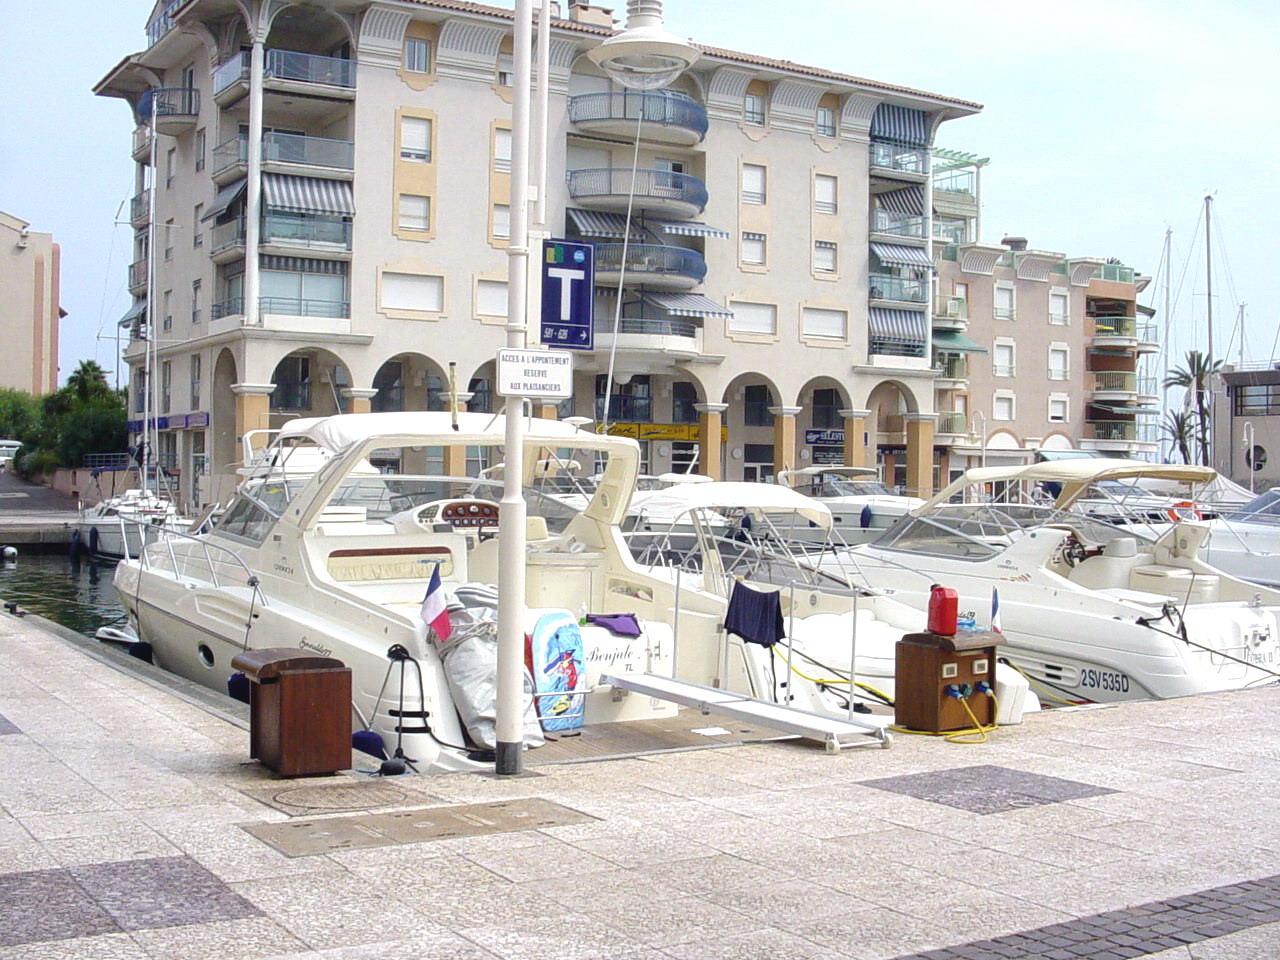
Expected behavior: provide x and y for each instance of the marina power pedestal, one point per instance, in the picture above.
(299, 710)
(934, 672)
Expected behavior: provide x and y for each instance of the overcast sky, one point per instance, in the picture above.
(1106, 121)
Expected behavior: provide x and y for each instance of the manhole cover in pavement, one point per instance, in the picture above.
(299, 800)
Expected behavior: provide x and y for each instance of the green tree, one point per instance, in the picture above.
(1179, 428)
(95, 427)
(1196, 378)
(88, 382)
(19, 414)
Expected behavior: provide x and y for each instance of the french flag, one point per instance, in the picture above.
(995, 611)
(434, 609)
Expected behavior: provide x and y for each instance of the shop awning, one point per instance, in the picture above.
(604, 226)
(225, 197)
(689, 228)
(908, 201)
(139, 309)
(955, 342)
(905, 325)
(308, 195)
(895, 255)
(685, 304)
(902, 125)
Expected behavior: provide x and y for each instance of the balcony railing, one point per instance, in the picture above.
(313, 151)
(231, 307)
(1147, 332)
(1116, 327)
(138, 273)
(648, 258)
(229, 234)
(957, 181)
(299, 231)
(655, 184)
(179, 102)
(952, 368)
(295, 307)
(230, 71)
(884, 221)
(893, 157)
(1114, 271)
(140, 206)
(309, 68)
(884, 287)
(229, 153)
(951, 308)
(951, 422)
(895, 347)
(1114, 429)
(1116, 380)
(647, 327)
(950, 232)
(667, 109)
(163, 23)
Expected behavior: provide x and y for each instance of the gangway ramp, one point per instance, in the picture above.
(834, 733)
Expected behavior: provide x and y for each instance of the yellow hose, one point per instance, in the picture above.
(832, 683)
(977, 731)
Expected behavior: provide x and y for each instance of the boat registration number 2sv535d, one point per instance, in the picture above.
(1104, 680)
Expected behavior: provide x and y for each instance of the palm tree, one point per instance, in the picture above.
(1196, 378)
(88, 381)
(1181, 430)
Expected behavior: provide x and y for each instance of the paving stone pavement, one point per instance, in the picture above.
(1141, 830)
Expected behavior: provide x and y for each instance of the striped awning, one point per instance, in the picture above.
(1116, 408)
(895, 255)
(224, 198)
(951, 341)
(138, 309)
(689, 228)
(907, 325)
(308, 195)
(685, 304)
(336, 268)
(604, 226)
(908, 201)
(901, 125)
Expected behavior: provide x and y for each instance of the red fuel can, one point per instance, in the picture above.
(944, 603)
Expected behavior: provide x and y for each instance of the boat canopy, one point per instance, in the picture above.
(785, 476)
(723, 495)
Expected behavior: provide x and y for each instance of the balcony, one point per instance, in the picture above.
(1114, 385)
(657, 267)
(1125, 332)
(231, 307)
(140, 209)
(900, 163)
(1125, 436)
(950, 313)
(662, 117)
(231, 77)
(896, 224)
(294, 307)
(287, 71)
(950, 232)
(164, 22)
(226, 240)
(229, 159)
(647, 340)
(327, 233)
(951, 372)
(1114, 272)
(176, 109)
(294, 150)
(882, 286)
(951, 424)
(142, 144)
(660, 192)
(138, 277)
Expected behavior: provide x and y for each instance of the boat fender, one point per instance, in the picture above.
(8, 553)
(93, 541)
(370, 742)
(76, 544)
(864, 518)
(141, 651)
(572, 545)
(1183, 510)
(238, 687)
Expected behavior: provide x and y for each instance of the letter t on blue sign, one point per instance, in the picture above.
(568, 294)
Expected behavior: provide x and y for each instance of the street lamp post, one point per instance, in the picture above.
(1248, 439)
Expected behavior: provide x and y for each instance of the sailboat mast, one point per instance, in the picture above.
(1208, 270)
(1168, 330)
(148, 408)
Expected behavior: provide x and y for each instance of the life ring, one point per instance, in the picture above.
(1183, 510)
(93, 541)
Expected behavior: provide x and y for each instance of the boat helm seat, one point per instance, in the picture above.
(1111, 568)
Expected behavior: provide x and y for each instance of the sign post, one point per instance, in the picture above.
(568, 294)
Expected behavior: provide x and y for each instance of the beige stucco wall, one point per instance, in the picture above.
(29, 279)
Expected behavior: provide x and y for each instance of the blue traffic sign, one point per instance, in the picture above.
(568, 294)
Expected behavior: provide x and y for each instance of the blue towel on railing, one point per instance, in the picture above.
(754, 616)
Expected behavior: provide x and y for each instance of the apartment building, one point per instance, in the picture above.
(1246, 423)
(322, 209)
(29, 308)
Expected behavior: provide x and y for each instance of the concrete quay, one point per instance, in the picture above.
(132, 825)
(34, 515)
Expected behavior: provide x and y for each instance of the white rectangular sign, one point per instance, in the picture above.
(535, 373)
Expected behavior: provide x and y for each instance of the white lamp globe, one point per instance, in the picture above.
(644, 56)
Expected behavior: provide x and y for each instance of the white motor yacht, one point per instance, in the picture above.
(1245, 542)
(1092, 610)
(862, 507)
(337, 563)
(120, 526)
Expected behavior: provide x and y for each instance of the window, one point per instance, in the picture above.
(167, 312)
(824, 257)
(826, 410)
(415, 139)
(200, 150)
(1002, 405)
(417, 55)
(753, 318)
(195, 382)
(753, 248)
(756, 401)
(170, 166)
(684, 399)
(753, 109)
(506, 70)
(319, 289)
(1004, 302)
(1058, 407)
(826, 122)
(415, 212)
(166, 381)
(753, 183)
(631, 401)
(139, 389)
(292, 379)
(501, 221)
(1002, 364)
(825, 324)
(757, 462)
(491, 298)
(1059, 307)
(197, 236)
(168, 239)
(684, 457)
(960, 290)
(824, 193)
(481, 391)
(195, 301)
(412, 291)
(502, 150)
(1059, 361)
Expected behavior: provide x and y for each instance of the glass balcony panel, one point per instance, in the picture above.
(230, 71)
(140, 206)
(950, 232)
(894, 157)
(309, 68)
(138, 273)
(616, 182)
(952, 368)
(314, 151)
(884, 221)
(647, 258)
(895, 347)
(956, 181)
(666, 327)
(665, 108)
(229, 153)
(227, 234)
(951, 422)
(885, 287)
(306, 231)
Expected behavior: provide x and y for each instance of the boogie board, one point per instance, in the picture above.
(556, 661)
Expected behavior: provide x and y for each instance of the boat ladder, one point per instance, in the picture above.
(832, 732)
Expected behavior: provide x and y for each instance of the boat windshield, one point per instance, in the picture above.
(980, 531)
(833, 487)
(1264, 508)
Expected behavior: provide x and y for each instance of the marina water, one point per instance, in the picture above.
(75, 593)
